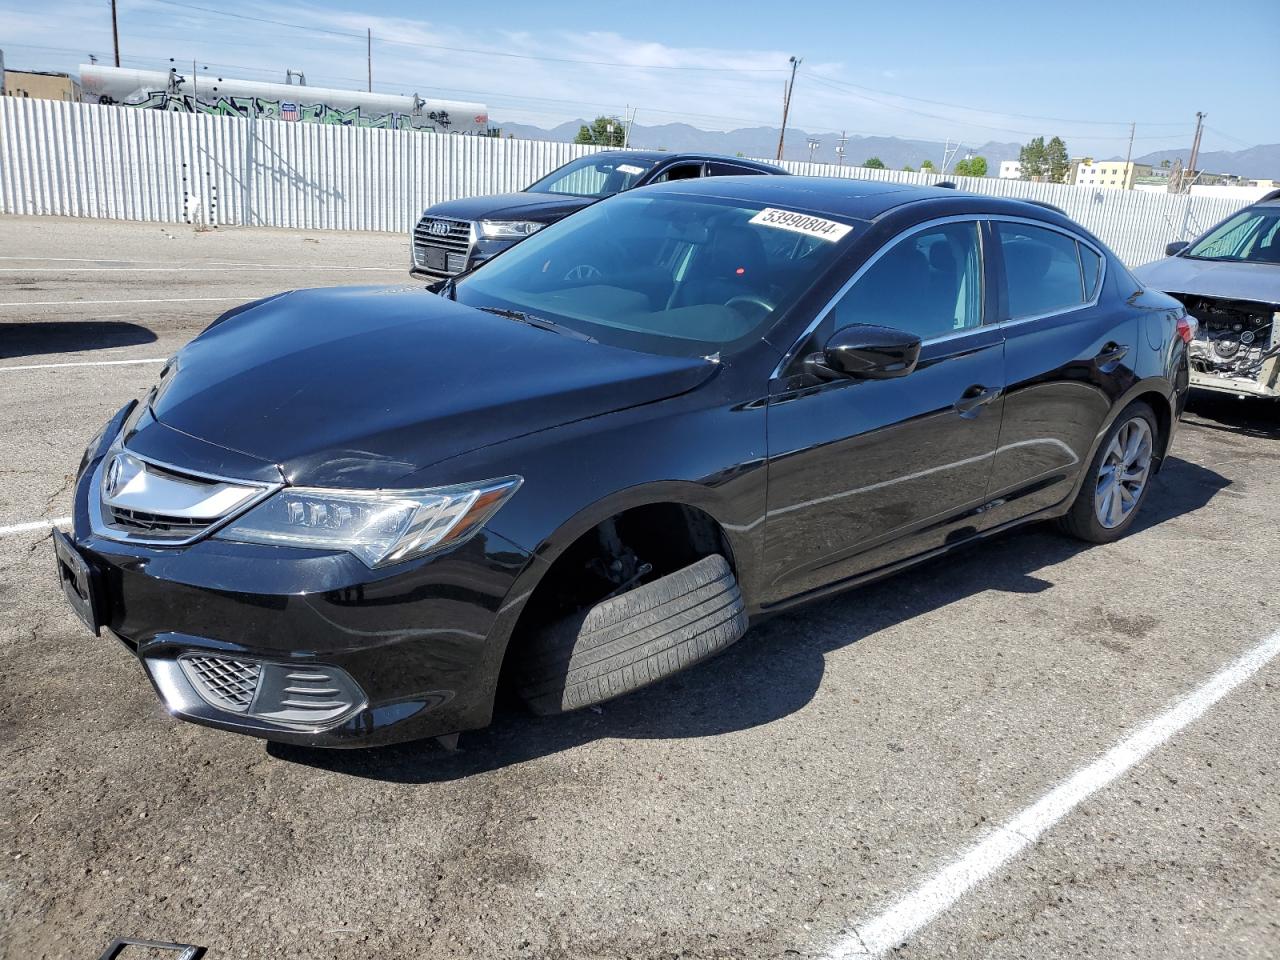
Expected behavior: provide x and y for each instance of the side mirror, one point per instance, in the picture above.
(866, 352)
(1175, 248)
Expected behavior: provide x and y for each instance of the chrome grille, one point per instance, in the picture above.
(180, 528)
(443, 253)
(221, 681)
(141, 501)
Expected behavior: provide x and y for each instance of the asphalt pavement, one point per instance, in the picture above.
(889, 748)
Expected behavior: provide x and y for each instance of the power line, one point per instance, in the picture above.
(465, 50)
(973, 123)
(1000, 113)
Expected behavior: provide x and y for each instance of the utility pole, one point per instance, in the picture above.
(786, 105)
(1195, 149)
(844, 138)
(115, 32)
(1129, 178)
(813, 148)
(368, 34)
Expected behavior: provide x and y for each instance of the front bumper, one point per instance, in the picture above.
(421, 642)
(1235, 386)
(480, 251)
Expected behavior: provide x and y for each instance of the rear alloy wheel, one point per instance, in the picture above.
(629, 641)
(1118, 478)
(1122, 477)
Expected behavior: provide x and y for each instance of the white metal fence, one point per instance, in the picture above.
(85, 160)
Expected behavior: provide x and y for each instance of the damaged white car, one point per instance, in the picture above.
(1229, 280)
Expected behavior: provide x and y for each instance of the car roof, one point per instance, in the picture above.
(855, 198)
(652, 155)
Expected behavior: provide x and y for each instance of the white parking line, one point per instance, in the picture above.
(34, 525)
(92, 303)
(179, 268)
(82, 363)
(878, 935)
(180, 264)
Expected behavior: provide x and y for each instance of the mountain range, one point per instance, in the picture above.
(762, 142)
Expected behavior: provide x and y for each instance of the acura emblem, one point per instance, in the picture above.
(111, 479)
(438, 228)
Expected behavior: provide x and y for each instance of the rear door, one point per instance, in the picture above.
(1067, 354)
(863, 473)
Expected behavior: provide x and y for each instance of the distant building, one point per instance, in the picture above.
(1108, 174)
(39, 85)
(1010, 170)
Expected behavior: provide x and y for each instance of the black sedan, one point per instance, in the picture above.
(457, 235)
(342, 516)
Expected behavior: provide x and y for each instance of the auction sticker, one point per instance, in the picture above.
(630, 168)
(802, 223)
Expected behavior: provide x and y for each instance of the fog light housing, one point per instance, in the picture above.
(308, 696)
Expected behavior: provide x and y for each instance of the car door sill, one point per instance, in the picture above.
(888, 570)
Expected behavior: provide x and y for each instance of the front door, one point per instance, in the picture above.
(863, 473)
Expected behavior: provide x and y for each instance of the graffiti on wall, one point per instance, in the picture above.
(223, 106)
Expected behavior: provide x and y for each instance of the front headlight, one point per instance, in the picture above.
(378, 526)
(508, 229)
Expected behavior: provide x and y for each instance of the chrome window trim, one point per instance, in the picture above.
(979, 219)
(101, 529)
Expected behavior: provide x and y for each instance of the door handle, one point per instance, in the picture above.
(1111, 353)
(974, 399)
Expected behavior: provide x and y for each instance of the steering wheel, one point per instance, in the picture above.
(751, 300)
(606, 258)
(584, 271)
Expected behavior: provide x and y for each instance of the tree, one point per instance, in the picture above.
(599, 132)
(1165, 163)
(1033, 159)
(908, 168)
(972, 167)
(1057, 160)
(927, 165)
(875, 163)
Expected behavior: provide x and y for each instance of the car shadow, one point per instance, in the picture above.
(772, 672)
(1247, 416)
(69, 336)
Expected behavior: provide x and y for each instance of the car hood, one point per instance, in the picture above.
(1210, 278)
(362, 386)
(543, 207)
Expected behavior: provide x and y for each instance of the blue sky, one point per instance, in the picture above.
(920, 68)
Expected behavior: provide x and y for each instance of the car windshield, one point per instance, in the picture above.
(690, 276)
(595, 176)
(1253, 235)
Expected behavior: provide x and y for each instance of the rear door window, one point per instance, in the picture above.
(1042, 270)
(716, 169)
(680, 171)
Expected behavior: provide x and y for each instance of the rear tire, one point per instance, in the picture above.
(1126, 453)
(630, 641)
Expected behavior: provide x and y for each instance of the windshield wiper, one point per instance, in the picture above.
(541, 323)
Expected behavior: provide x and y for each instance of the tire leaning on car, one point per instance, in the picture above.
(629, 641)
(1122, 467)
